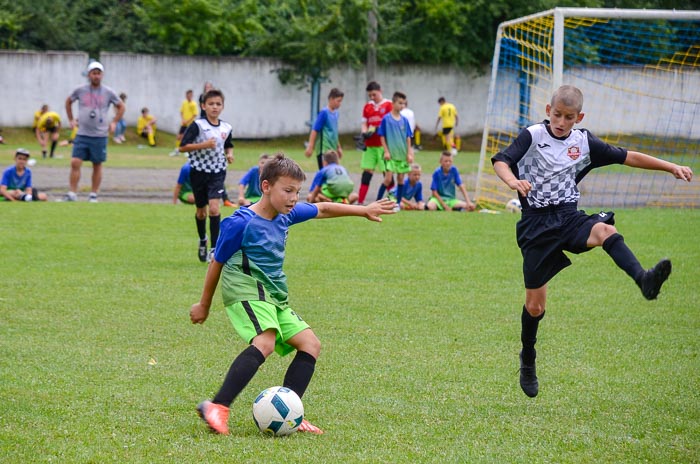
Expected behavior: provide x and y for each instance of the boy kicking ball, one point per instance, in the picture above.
(248, 259)
(544, 165)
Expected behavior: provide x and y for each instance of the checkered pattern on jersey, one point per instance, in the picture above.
(551, 166)
(210, 160)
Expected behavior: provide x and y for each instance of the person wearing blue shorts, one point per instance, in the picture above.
(94, 126)
(544, 165)
(249, 262)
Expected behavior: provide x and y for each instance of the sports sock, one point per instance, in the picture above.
(43, 153)
(53, 147)
(618, 250)
(201, 227)
(299, 372)
(381, 192)
(214, 222)
(242, 370)
(399, 194)
(364, 186)
(528, 335)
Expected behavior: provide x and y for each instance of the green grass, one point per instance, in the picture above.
(419, 320)
(135, 153)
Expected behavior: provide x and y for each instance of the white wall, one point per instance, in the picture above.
(257, 104)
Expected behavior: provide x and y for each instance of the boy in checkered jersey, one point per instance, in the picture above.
(544, 165)
(210, 147)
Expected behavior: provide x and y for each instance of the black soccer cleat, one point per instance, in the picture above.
(528, 378)
(203, 251)
(654, 278)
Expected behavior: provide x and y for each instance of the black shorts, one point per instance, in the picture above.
(544, 234)
(446, 130)
(207, 186)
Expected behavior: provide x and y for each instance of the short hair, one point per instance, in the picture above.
(415, 167)
(335, 93)
(264, 156)
(122, 96)
(22, 152)
(331, 157)
(446, 154)
(281, 166)
(374, 85)
(144, 110)
(441, 100)
(189, 91)
(569, 96)
(398, 96)
(212, 94)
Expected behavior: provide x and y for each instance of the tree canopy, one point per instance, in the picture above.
(308, 36)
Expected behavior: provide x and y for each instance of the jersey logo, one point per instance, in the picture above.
(573, 153)
(543, 145)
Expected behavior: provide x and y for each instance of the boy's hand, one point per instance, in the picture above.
(523, 187)
(683, 173)
(376, 209)
(198, 313)
(211, 143)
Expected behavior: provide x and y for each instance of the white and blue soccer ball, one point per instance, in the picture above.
(514, 206)
(278, 411)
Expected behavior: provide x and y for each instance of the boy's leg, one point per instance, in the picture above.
(301, 369)
(533, 312)
(200, 218)
(364, 186)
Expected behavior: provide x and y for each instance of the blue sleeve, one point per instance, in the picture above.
(184, 176)
(409, 132)
(381, 130)
(455, 175)
(303, 212)
(318, 180)
(190, 134)
(419, 191)
(320, 120)
(435, 184)
(245, 180)
(6, 178)
(231, 236)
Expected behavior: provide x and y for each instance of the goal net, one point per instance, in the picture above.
(639, 71)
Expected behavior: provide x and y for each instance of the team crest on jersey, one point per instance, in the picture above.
(573, 153)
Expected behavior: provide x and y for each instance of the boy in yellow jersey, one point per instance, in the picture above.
(450, 119)
(188, 113)
(146, 126)
(35, 125)
(49, 124)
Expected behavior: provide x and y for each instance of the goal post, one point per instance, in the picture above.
(639, 71)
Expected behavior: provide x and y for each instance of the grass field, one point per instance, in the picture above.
(419, 320)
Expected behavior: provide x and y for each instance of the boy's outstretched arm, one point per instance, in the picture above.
(200, 310)
(636, 159)
(373, 211)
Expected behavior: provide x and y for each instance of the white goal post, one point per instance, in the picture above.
(639, 71)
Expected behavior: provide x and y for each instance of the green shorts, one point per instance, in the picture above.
(373, 159)
(335, 199)
(183, 195)
(251, 318)
(451, 202)
(253, 199)
(399, 167)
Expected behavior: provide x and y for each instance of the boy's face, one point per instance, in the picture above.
(213, 107)
(446, 163)
(399, 104)
(21, 161)
(283, 194)
(413, 176)
(562, 118)
(375, 95)
(188, 96)
(334, 103)
(261, 162)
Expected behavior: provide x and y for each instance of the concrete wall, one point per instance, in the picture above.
(257, 104)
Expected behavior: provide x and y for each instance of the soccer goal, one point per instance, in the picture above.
(639, 71)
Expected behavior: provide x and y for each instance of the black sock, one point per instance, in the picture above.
(201, 228)
(624, 258)
(528, 335)
(299, 372)
(214, 222)
(366, 178)
(53, 147)
(381, 191)
(242, 370)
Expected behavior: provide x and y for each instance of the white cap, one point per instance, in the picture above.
(95, 65)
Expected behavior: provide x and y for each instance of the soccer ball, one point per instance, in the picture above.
(31, 162)
(278, 411)
(514, 206)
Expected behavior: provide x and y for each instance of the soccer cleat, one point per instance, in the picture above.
(654, 278)
(92, 198)
(210, 255)
(70, 196)
(528, 378)
(202, 253)
(215, 415)
(228, 203)
(307, 426)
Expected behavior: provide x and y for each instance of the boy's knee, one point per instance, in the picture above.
(534, 309)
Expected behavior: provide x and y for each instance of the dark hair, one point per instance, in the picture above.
(211, 94)
(331, 157)
(335, 93)
(441, 100)
(122, 96)
(446, 153)
(374, 85)
(398, 95)
(281, 166)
